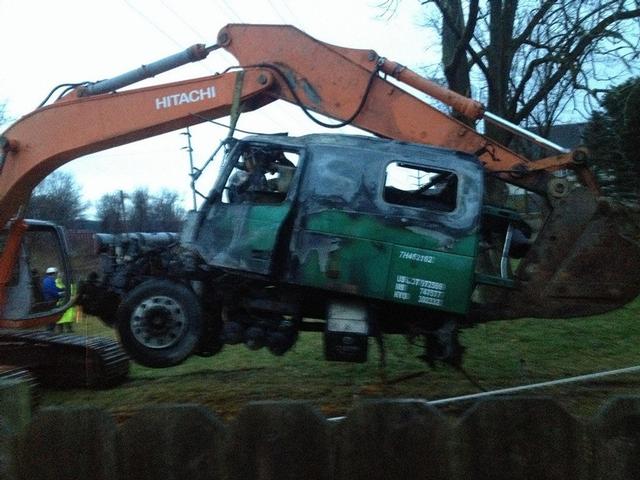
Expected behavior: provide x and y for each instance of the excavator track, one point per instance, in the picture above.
(10, 373)
(16, 374)
(65, 360)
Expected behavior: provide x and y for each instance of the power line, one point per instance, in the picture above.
(233, 12)
(275, 9)
(296, 19)
(152, 23)
(157, 27)
(164, 32)
(183, 21)
(196, 32)
(239, 19)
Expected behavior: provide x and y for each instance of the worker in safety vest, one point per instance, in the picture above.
(71, 313)
(51, 290)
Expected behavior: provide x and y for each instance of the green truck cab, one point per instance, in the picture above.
(382, 220)
(353, 236)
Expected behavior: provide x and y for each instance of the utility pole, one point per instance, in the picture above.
(123, 211)
(189, 149)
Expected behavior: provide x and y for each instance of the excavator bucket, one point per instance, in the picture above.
(585, 260)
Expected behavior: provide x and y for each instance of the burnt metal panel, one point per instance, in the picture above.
(343, 236)
(350, 177)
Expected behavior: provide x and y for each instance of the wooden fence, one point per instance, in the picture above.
(510, 438)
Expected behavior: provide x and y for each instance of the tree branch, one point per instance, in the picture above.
(533, 23)
(572, 57)
(468, 32)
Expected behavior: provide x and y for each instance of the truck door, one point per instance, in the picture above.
(433, 257)
(251, 204)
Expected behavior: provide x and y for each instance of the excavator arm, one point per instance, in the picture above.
(350, 86)
(341, 83)
(74, 126)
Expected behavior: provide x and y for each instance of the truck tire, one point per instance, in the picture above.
(160, 323)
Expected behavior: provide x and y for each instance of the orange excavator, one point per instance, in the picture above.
(388, 258)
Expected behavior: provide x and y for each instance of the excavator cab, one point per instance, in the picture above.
(31, 298)
(35, 290)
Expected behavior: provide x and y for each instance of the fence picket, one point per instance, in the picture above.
(498, 438)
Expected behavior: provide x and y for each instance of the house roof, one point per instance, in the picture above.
(567, 134)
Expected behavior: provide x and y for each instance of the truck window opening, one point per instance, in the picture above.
(420, 187)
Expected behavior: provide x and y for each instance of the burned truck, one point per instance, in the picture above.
(347, 235)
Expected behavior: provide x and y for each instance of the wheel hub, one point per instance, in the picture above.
(158, 322)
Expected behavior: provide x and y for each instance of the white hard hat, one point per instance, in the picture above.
(52, 270)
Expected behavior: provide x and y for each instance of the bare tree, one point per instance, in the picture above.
(166, 211)
(140, 211)
(110, 213)
(58, 198)
(534, 60)
(139, 217)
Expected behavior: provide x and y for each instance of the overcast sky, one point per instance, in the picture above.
(46, 43)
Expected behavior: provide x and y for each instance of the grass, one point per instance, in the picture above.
(498, 354)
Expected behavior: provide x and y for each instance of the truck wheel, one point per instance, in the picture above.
(160, 323)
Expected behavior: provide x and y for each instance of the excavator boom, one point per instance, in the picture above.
(74, 126)
(348, 85)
